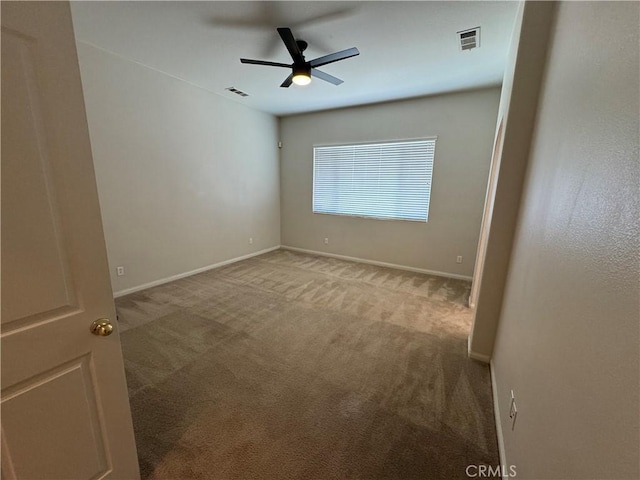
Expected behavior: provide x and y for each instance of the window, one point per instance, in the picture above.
(386, 180)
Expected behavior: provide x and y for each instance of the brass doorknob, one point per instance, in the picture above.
(102, 327)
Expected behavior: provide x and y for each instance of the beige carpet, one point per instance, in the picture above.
(293, 366)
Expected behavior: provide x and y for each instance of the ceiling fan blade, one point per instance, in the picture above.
(263, 62)
(324, 17)
(334, 57)
(290, 43)
(326, 77)
(287, 81)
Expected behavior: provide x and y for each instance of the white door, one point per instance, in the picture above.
(486, 218)
(65, 410)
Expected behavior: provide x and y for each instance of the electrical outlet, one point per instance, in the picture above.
(250, 240)
(513, 411)
(459, 259)
(326, 241)
(120, 271)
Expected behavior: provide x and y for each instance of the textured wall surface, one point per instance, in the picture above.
(568, 341)
(517, 112)
(185, 177)
(464, 124)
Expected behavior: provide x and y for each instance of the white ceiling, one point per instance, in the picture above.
(407, 49)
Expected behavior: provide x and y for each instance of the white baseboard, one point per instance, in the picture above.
(155, 283)
(475, 355)
(496, 413)
(480, 357)
(379, 264)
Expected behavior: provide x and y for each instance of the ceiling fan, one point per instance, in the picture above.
(302, 70)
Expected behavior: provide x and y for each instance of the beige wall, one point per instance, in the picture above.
(568, 342)
(464, 124)
(185, 176)
(518, 104)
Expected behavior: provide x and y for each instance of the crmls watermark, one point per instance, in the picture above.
(488, 471)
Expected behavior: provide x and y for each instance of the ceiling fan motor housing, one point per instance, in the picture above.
(302, 69)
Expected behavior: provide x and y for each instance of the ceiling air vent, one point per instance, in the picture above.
(237, 92)
(469, 38)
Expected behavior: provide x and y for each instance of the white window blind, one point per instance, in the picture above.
(387, 180)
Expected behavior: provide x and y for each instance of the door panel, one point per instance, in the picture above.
(37, 259)
(65, 410)
(38, 411)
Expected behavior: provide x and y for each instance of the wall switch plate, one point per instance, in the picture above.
(250, 240)
(120, 271)
(513, 411)
(326, 241)
(459, 259)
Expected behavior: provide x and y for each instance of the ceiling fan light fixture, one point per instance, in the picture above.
(301, 75)
(301, 79)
